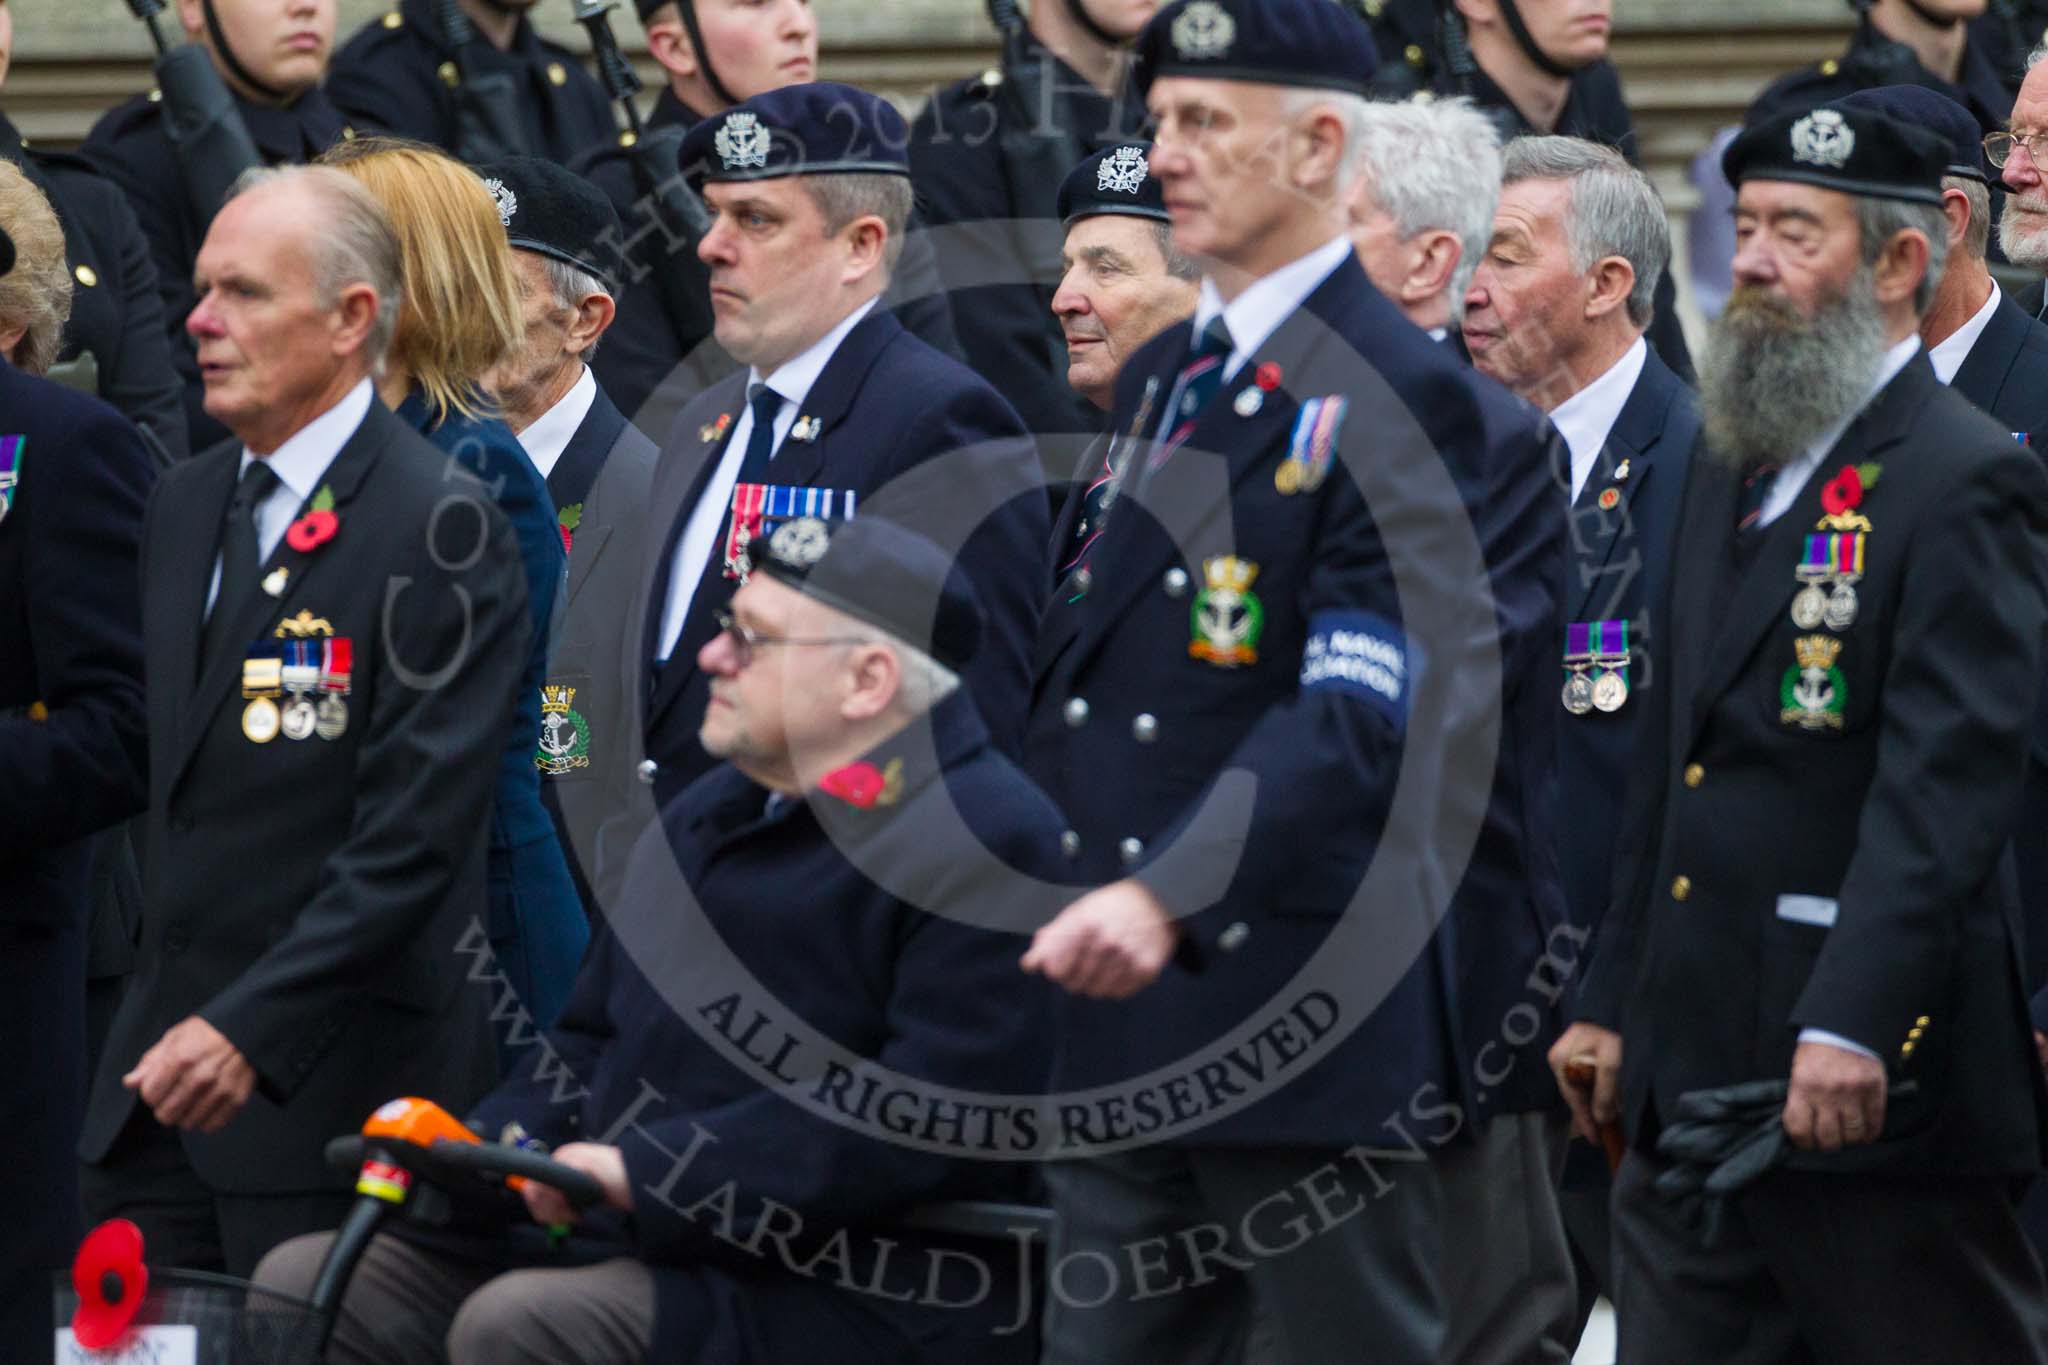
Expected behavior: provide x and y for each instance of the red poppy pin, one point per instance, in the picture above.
(864, 786)
(569, 518)
(110, 1279)
(1843, 494)
(1267, 376)
(317, 526)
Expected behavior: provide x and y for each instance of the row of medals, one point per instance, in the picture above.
(1813, 607)
(301, 718)
(1608, 692)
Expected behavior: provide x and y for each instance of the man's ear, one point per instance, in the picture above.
(357, 314)
(1901, 266)
(1612, 280)
(1436, 261)
(192, 18)
(588, 320)
(868, 240)
(874, 677)
(668, 42)
(10, 339)
(1956, 205)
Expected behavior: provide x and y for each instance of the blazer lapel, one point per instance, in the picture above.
(257, 614)
(1626, 464)
(678, 507)
(800, 459)
(1768, 583)
(577, 468)
(1982, 375)
(196, 546)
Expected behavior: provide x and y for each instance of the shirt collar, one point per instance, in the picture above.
(551, 432)
(1948, 356)
(1270, 300)
(302, 461)
(1586, 418)
(794, 379)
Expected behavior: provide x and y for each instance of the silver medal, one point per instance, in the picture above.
(298, 719)
(1610, 690)
(1249, 402)
(1841, 608)
(332, 720)
(1809, 606)
(1578, 693)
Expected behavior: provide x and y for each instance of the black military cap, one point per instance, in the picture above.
(1319, 44)
(819, 128)
(1856, 151)
(1934, 111)
(1115, 180)
(878, 572)
(548, 209)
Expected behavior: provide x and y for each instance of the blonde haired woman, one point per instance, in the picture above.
(458, 316)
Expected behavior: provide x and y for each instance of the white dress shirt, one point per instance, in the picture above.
(793, 381)
(552, 431)
(300, 464)
(1954, 349)
(1791, 480)
(1269, 301)
(1585, 418)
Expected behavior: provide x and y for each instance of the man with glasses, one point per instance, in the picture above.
(2017, 153)
(771, 1218)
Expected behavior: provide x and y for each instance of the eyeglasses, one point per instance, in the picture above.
(745, 639)
(1998, 147)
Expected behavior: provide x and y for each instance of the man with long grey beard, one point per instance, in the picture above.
(1815, 901)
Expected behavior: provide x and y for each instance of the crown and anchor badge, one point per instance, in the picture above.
(564, 734)
(1227, 618)
(742, 142)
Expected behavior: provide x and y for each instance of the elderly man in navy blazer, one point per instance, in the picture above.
(599, 468)
(73, 477)
(1308, 657)
(840, 412)
(1565, 331)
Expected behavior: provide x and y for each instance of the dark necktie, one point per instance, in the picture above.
(765, 402)
(1199, 381)
(240, 551)
(1756, 490)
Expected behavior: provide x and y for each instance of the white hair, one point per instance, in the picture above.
(358, 245)
(1434, 165)
(2037, 56)
(922, 681)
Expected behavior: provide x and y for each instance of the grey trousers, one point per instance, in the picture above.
(1511, 1293)
(408, 1306)
(1158, 1255)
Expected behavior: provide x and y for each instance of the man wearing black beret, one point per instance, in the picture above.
(843, 869)
(1816, 882)
(1122, 279)
(1978, 340)
(837, 414)
(1231, 683)
(715, 54)
(565, 248)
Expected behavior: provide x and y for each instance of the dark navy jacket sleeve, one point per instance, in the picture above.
(80, 500)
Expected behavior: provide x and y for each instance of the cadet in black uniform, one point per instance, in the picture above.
(1535, 67)
(473, 78)
(272, 62)
(989, 154)
(114, 344)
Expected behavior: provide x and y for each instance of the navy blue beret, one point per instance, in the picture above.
(1934, 111)
(818, 128)
(878, 572)
(548, 209)
(1319, 44)
(1856, 151)
(1115, 180)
